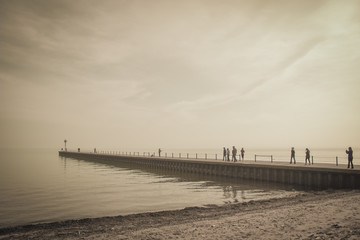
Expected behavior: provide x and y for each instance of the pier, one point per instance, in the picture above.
(320, 176)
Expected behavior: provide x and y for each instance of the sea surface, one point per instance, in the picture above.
(37, 186)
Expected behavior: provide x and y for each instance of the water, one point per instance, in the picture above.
(36, 186)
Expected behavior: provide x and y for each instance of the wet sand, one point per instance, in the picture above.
(310, 215)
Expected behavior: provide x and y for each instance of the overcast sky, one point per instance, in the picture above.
(179, 74)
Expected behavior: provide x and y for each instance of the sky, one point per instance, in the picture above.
(179, 74)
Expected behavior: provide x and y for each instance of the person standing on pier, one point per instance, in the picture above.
(242, 153)
(224, 154)
(234, 152)
(159, 152)
(228, 154)
(307, 155)
(293, 155)
(350, 157)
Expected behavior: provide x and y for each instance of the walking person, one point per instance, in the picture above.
(234, 152)
(228, 154)
(292, 155)
(224, 154)
(350, 157)
(242, 153)
(307, 155)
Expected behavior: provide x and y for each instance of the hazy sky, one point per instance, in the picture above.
(186, 74)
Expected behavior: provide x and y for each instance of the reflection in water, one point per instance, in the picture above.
(63, 159)
(249, 189)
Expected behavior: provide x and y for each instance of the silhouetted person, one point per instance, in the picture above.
(234, 152)
(224, 154)
(94, 150)
(228, 154)
(242, 153)
(159, 152)
(307, 155)
(292, 155)
(350, 157)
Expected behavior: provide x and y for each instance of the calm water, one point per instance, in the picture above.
(39, 186)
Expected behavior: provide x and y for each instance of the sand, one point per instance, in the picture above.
(310, 215)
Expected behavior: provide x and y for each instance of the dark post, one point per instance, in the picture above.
(312, 159)
(336, 160)
(271, 159)
(255, 157)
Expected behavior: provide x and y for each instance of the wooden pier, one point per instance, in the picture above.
(320, 176)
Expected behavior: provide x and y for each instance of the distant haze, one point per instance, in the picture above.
(186, 74)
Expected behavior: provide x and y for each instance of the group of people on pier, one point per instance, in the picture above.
(349, 152)
(226, 154)
(234, 151)
(307, 156)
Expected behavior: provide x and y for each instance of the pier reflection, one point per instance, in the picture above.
(234, 189)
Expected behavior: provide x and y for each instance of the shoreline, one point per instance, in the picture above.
(309, 215)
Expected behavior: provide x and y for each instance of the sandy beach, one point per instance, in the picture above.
(310, 215)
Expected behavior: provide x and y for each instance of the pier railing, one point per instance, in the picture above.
(336, 160)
